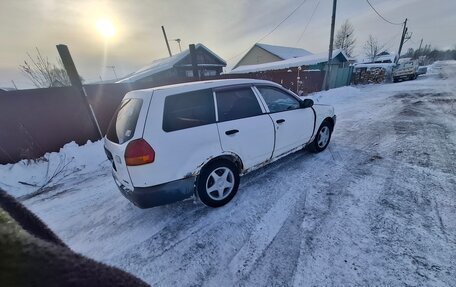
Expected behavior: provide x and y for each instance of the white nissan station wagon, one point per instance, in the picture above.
(172, 142)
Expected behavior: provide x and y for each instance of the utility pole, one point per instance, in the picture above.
(419, 49)
(75, 80)
(404, 32)
(331, 40)
(166, 40)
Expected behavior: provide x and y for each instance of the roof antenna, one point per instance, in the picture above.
(178, 42)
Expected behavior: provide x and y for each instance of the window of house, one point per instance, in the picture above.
(188, 110)
(278, 101)
(237, 104)
(209, 73)
(189, 73)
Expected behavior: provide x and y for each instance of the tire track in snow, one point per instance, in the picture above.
(263, 234)
(208, 227)
(320, 238)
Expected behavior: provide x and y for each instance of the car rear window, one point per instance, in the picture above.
(188, 110)
(123, 124)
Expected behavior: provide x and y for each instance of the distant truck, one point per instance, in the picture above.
(406, 69)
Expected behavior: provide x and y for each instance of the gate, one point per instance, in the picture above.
(340, 76)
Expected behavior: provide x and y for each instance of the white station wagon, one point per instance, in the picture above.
(172, 142)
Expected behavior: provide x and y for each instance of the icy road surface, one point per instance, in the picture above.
(377, 208)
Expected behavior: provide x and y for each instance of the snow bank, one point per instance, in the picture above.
(436, 67)
(27, 176)
(335, 96)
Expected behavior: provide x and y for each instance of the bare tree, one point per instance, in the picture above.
(43, 73)
(372, 48)
(345, 39)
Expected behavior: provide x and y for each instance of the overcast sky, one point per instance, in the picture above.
(226, 27)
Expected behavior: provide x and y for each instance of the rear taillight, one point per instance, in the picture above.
(139, 152)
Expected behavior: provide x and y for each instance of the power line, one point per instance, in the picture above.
(308, 22)
(388, 43)
(286, 18)
(381, 15)
(392, 38)
(275, 28)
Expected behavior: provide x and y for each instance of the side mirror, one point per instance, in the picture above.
(307, 103)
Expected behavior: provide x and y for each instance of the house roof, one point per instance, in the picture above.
(284, 52)
(164, 64)
(380, 58)
(289, 63)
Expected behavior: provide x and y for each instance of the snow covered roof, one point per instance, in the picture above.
(5, 89)
(164, 64)
(374, 65)
(284, 52)
(289, 63)
(388, 58)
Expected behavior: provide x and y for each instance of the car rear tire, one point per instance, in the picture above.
(322, 138)
(218, 183)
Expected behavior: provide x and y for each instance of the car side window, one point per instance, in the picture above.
(237, 103)
(188, 110)
(278, 101)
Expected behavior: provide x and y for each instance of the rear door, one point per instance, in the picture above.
(127, 124)
(243, 126)
(293, 125)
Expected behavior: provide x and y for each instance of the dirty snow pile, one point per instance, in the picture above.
(28, 176)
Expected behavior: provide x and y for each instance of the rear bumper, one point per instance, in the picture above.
(146, 197)
(334, 120)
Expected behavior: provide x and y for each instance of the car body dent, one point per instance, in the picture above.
(221, 156)
(322, 112)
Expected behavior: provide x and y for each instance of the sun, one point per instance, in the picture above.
(106, 28)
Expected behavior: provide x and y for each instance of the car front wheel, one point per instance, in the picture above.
(322, 138)
(218, 183)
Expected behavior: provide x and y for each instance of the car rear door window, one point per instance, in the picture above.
(188, 110)
(123, 123)
(237, 104)
(278, 101)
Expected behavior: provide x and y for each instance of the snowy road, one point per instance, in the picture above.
(376, 209)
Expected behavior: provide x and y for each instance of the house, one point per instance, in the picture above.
(178, 67)
(308, 62)
(303, 74)
(264, 53)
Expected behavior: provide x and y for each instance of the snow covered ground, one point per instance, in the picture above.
(378, 207)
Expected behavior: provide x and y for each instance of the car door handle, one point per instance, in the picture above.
(280, 121)
(231, 132)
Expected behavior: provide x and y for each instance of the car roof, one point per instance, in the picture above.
(193, 86)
